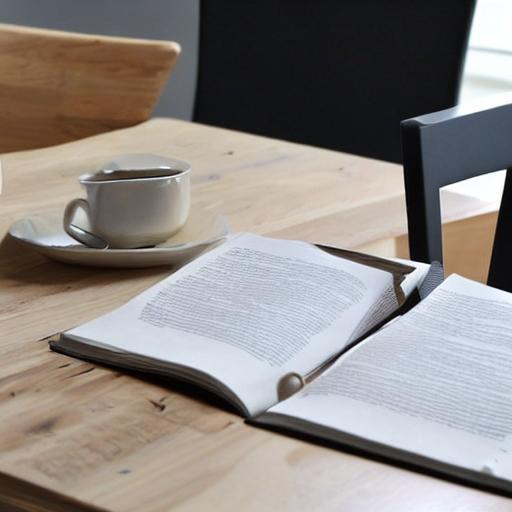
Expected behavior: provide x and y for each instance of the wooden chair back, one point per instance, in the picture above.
(60, 86)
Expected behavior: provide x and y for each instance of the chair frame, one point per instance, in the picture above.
(450, 146)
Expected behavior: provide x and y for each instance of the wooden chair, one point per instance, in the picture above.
(334, 74)
(450, 146)
(59, 86)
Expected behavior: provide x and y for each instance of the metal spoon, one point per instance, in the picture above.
(88, 238)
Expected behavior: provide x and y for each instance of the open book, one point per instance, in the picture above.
(432, 387)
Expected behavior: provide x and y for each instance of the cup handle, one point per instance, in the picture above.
(69, 214)
(78, 233)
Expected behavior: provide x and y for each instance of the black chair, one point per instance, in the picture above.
(450, 146)
(331, 73)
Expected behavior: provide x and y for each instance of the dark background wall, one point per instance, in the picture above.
(176, 20)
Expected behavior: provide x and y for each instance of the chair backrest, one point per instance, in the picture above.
(340, 75)
(59, 86)
(450, 146)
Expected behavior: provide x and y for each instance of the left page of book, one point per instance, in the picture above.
(245, 314)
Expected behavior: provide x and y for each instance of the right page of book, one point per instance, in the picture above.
(434, 384)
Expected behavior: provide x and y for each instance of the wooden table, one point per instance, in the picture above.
(75, 436)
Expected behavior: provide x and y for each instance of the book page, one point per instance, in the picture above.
(246, 313)
(437, 382)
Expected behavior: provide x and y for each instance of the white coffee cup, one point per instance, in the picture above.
(134, 201)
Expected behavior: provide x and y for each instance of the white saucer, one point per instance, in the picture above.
(46, 236)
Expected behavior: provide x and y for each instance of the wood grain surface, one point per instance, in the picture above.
(61, 86)
(74, 435)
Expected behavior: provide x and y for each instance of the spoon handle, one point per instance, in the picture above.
(87, 238)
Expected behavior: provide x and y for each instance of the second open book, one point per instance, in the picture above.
(432, 387)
